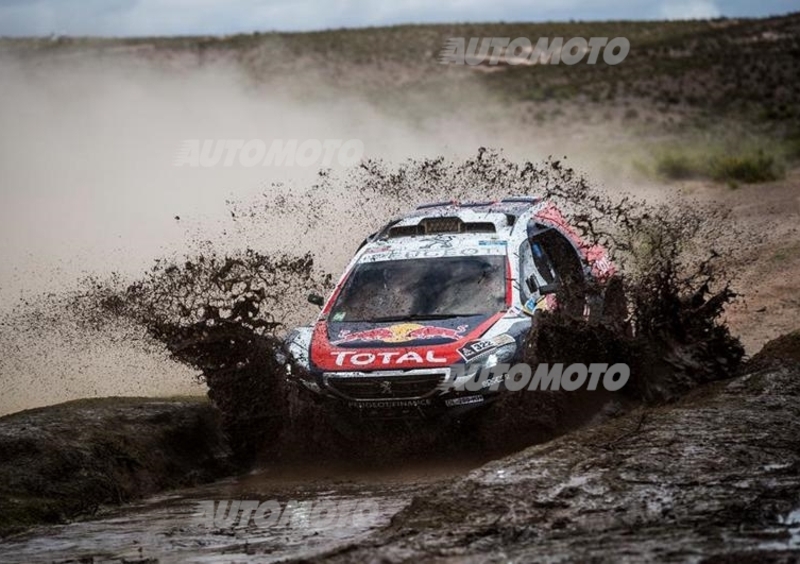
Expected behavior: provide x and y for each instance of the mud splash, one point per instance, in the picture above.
(220, 315)
(663, 312)
(223, 315)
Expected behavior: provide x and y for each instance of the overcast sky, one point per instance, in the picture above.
(191, 17)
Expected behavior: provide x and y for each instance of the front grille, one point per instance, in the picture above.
(407, 386)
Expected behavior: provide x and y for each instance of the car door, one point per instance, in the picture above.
(556, 268)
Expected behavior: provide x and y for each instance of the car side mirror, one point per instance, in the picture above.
(543, 290)
(548, 289)
(316, 299)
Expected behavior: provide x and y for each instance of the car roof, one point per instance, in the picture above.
(455, 228)
(496, 217)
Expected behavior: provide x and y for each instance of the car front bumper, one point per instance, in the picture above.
(419, 393)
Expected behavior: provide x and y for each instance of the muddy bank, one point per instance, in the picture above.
(783, 350)
(67, 460)
(714, 477)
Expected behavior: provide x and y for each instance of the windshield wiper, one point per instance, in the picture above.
(421, 317)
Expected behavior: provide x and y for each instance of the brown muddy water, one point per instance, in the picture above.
(713, 477)
(345, 507)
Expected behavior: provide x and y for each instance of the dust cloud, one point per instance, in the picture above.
(87, 150)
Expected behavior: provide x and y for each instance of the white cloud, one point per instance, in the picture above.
(690, 10)
(193, 17)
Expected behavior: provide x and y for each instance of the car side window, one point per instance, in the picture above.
(536, 270)
(544, 267)
(526, 270)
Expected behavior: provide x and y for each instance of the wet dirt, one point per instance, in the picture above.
(221, 314)
(714, 477)
(174, 527)
(71, 459)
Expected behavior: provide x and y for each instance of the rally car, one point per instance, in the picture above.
(448, 287)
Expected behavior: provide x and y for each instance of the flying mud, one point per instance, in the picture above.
(224, 316)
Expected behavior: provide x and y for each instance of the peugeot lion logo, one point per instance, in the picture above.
(386, 387)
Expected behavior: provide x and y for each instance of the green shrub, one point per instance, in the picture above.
(747, 168)
(750, 168)
(676, 166)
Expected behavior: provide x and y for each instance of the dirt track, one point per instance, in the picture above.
(70, 459)
(769, 279)
(169, 528)
(713, 477)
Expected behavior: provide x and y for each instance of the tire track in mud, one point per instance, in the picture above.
(710, 478)
(172, 528)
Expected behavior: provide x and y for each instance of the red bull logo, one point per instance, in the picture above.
(401, 333)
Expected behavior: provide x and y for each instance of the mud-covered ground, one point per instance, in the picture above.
(172, 527)
(714, 477)
(71, 459)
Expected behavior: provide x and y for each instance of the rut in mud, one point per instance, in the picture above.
(712, 478)
(221, 314)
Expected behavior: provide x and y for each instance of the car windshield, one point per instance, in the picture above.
(431, 288)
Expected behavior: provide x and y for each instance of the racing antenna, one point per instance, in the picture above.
(438, 205)
(520, 200)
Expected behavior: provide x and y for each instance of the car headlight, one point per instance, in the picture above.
(295, 349)
(464, 377)
(501, 355)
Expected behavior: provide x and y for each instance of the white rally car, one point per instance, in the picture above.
(446, 287)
